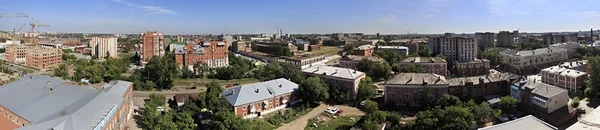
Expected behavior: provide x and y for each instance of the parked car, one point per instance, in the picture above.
(512, 117)
(340, 112)
(193, 87)
(503, 118)
(579, 110)
(160, 109)
(175, 89)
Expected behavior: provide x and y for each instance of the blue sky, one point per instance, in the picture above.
(304, 16)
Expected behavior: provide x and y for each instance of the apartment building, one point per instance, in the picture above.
(550, 38)
(472, 68)
(258, 99)
(364, 50)
(16, 53)
(403, 89)
(350, 61)
(241, 46)
(101, 46)
(571, 47)
(569, 79)
(461, 49)
(431, 64)
(478, 86)
(543, 100)
(46, 103)
(576, 65)
(152, 44)
(485, 40)
(402, 50)
(530, 60)
(213, 54)
(507, 39)
(43, 58)
(303, 60)
(338, 78)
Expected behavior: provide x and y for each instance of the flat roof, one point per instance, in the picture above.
(545, 90)
(345, 73)
(524, 123)
(358, 58)
(423, 60)
(488, 78)
(563, 71)
(539, 51)
(590, 122)
(417, 79)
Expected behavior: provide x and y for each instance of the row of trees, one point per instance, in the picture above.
(593, 83)
(95, 71)
(492, 55)
(158, 73)
(376, 70)
(153, 119)
(238, 68)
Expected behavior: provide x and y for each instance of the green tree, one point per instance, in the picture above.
(365, 89)
(575, 102)
(492, 55)
(61, 71)
(426, 97)
(201, 69)
(593, 82)
(370, 106)
(507, 104)
(313, 90)
(450, 118)
(483, 112)
(160, 70)
(391, 57)
(448, 100)
(412, 68)
(183, 121)
(424, 51)
(348, 49)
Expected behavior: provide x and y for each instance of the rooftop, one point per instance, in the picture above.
(256, 92)
(423, 60)
(488, 78)
(574, 64)
(392, 47)
(334, 71)
(524, 123)
(532, 52)
(365, 47)
(49, 102)
(590, 122)
(359, 58)
(542, 89)
(563, 71)
(417, 79)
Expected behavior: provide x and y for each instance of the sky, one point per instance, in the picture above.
(302, 16)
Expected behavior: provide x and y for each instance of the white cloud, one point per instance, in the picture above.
(150, 9)
(430, 16)
(591, 14)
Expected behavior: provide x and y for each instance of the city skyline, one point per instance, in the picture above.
(309, 16)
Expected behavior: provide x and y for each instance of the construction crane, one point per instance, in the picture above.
(13, 15)
(33, 25)
(15, 31)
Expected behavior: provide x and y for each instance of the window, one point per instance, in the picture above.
(244, 114)
(244, 107)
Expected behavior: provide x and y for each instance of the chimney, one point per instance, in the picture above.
(49, 82)
(280, 85)
(232, 91)
(354, 72)
(256, 90)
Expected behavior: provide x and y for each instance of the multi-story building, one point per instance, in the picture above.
(350, 61)
(343, 79)
(43, 58)
(152, 44)
(101, 46)
(543, 100)
(302, 44)
(461, 49)
(531, 60)
(507, 39)
(213, 54)
(569, 79)
(485, 40)
(241, 46)
(303, 60)
(364, 50)
(571, 47)
(258, 99)
(472, 68)
(550, 38)
(431, 64)
(402, 50)
(16, 53)
(403, 89)
(37, 102)
(478, 86)
(576, 65)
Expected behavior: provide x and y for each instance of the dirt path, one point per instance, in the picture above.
(300, 123)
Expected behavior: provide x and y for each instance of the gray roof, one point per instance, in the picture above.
(345, 73)
(532, 52)
(546, 90)
(524, 123)
(49, 102)
(423, 60)
(392, 47)
(251, 93)
(488, 78)
(563, 71)
(417, 79)
(359, 58)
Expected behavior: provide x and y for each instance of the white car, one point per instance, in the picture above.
(160, 109)
(331, 110)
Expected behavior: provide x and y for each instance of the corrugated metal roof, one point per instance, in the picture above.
(345, 73)
(524, 123)
(251, 93)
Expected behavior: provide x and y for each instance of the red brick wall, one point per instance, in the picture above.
(5, 113)
(240, 111)
(220, 52)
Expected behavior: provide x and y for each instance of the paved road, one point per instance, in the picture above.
(302, 121)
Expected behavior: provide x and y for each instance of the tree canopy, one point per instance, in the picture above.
(449, 118)
(159, 70)
(313, 90)
(507, 104)
(365, 89)
(448, 100)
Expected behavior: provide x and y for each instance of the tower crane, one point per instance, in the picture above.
(13, 15)
(15, 31)
(33, 25)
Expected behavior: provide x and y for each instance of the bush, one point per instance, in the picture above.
(589, 93)
(575, 102)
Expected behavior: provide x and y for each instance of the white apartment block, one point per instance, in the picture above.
(103, 45)
(570, 46)
(461, 49)
(521, 59)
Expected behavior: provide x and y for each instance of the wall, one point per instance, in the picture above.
(407, 95)
(276, 105)
(5, 113)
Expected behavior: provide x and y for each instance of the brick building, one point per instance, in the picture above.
(350, 61)
(364, 50)
(241, 46)
(303, 60)
(403, 89)
(50, 103)
(479, 86)
(431, 64)
(569, 79)
(16, 53)
(543, 100)
(213, 54)
(339, 78)
(44, 58)
(152, 44)
(258, 99)
(472, 68)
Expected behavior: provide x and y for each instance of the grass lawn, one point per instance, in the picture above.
(333, 60)
(326, 50)
(201, 82)
(342, 122)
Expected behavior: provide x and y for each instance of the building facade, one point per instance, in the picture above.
(241, 46)
(431, 64)
(16, 53)
(365, 50)
(571, 47)
(60, 104)
(507, 39)
(472, 68)
(303, 60)
(550, 38)
(343, 79)
(404, 89)
(258, 99)
(350, 61)
(485, 40)
(213, 54)
(531, 60)
(478, 86)
(153, 44)
(461, 49)
(43, 58)
(101, 46)
(569, 79)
